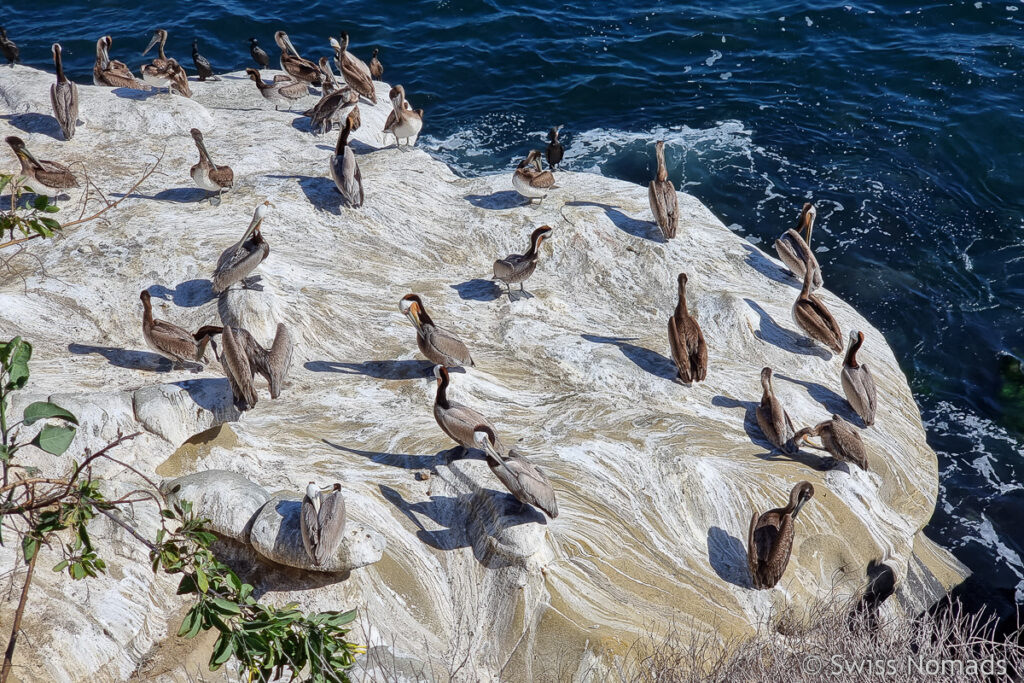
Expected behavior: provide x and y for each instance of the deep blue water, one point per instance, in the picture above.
(900, 121)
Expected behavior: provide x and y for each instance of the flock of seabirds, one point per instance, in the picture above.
(242, 357)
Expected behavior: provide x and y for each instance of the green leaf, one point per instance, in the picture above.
(19, 352)
(187, 584)
(5, 180)
(40, 202)
(189, 621)
(54, 440)
(222, 650)
(52, 208)
(77, 571)
(201, 581)
(40, 410)
(50, 223)
(226, 606)
(60, 566)
(30, 544)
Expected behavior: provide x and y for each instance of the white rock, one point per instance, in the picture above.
(228, 499)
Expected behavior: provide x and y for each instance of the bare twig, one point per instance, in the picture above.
(9, 654)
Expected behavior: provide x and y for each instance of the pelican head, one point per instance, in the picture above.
(20, 150)
(856, 337)
(145, 296)
(197, 136)
(484, 438)
(805, 433)
(344, 41)
(806, 221)
(159, 37)
(285, 43)
(539, 235)
(681, 281)
(254, 74)
(55, 49)
(801, 493)
(335, 44)
(397, 96)
(313, 493)
(441, 373)
(766, 379)
(411, 306)
(534, 158)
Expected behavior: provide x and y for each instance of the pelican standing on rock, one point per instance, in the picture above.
(555, 150)
(663, 198)
(208, 175)
(111, 73)
(519, 267)
(278, 92)
(202, 64)
(170, 341)
(259, 55)
(295, 66)
(773, 419)
(64, 97)
(322, 522)
(686, 340)
(332, 108)
(839, 439)
(376, 68)
(524, 480)
(240, 259)
(402, 122)
(162, 71)
(814, 318)
(355, 72)
(9, 48)
(344, 167)
(246, 358)
(456, 420)
(530, 180)
(770, 540)
(795, 251)
(858, 383)
(438, 345)
(45, 177)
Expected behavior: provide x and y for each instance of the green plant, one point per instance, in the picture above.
(28, 221)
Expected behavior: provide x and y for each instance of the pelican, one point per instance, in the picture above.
(440, 346)
(247, 358)
(858, 384)
(530, 180)
(524, 480)
(376, 68)
(353, 70)
(64, 97)
(322, 522)
(555, 150)
(9, 48)
(455, 419)
(236, 366)
(332, 108)
(278, 92)
(770, 540)
(162, 71)
(344, 168)
(686, 341)
(662, 194)
(241, 258)
(208, 175)
(170, 341)
(519, 267)
(773, 419)
(203, 67)
(111, 73)
(45, 177)
(839, 438)
(330, 83)
(402, 122)
(295, 66)
(259, 55)
(794, 250)
(814, 318)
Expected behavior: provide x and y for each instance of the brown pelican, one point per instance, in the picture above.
(662, 194)
(344, 168)
(773, 419)
(295, 66)
(208, 175)
(440, 346)
(839, 438)
(164, 72)
(236, 366)
(530, 180)
(332, 108)
(858, 384)
(402, 122)
(9, 48)
(524, 480)
(203, 67)
(170, 341)
(376, 68)
(686, 341)
(246, 358)
(278, 92)
(519, 267)
(794, 250)
(241, 258)
(814, 318)
(64, 97)
(353, 70)
(322, 522)
(45, 177)
(555, 150)
(330, 83)
(770, 540)
(455, 419)
(259, 55)
(112, 73)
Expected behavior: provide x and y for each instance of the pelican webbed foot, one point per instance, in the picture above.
(523, 293)
(252, 283)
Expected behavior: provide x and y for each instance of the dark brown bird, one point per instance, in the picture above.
(376, 68)
(45, 177)
(858, 383)
(8, 47)
(839, 438)
(244, 358)
(259, 55)
(773, 419)
(662, 195)
(555, 150)
(519, 267)
(686, 340)
(353, 70)
(456, 420)
(202, 64)
(770, 541)
(814, 318)
(295, 66)
(170, 341)
(111, 73)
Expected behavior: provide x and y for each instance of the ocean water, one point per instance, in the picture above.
(900, 121)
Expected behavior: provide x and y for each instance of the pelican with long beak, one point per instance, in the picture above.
(207, 175)
(354, 70)
(244, 358)
(279, 92)
(344, 167)
(322, 522)
(770, 540)
(794, 250)
(686, 340)
(111, 73)
(295, 66)
(240, 259)
(530, 180)
(773, 419)
(456, 420)
(162, 71)
(402, 122)
(44, 177)
(839, 439)
(170, 341)
(524, 480)
(519, 267)
(662, 195)
(332, 108)
(438, 345)
(64, 97)
(814, 318)
(858, 383)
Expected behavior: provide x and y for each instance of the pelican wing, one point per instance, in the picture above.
(859, 387)
(223, 176)
(173, 341)
(527, 483)
(753, 559)
(302, 69)
(438, 342)
(543, 180)
(52, 174)
(459, 422)
(235, 263)
(273, 365)
(664, 206)
(309, 525)
(780, 546)
(794, 251)
(817, 321)
(235, 361)
(331, 526)
(293, 90)
(64, 98)
(678, 347)
(358, 79)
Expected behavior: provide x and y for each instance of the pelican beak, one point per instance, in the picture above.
(807, 439)
(799, 504)
(288, 42)
(153, 42)
(30, 156)
(413, 314)
(202, 147)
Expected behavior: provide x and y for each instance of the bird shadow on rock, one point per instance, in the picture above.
(378, 369)
(178, 195)
(32, 122)
(442, 510)
(402, 460)
(135, 94)
(212, 394)
(647, 230)
(650, 361)
(125, 358)
(759, 262)
(478, 289)
(267, 576)
(758, 438)
(503, 199)
(188, 294)
(728, 557)
(771, 332)
(832, 402)
(321, 192)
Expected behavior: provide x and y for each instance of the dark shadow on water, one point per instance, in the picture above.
(833, 402)
(125, 358)
(757, 260)
(402, 460)
(379, 369)
(35, 123)
(503, 199)
(648, 360)
(758, 438)
(647, 230)
(728, 557)
(478, 289)
(771, 332)
(188, 294)
(321, 192)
